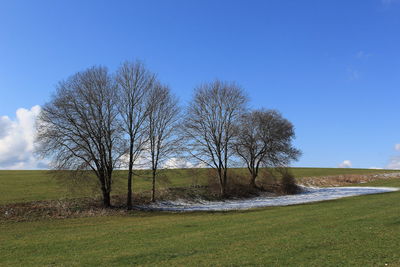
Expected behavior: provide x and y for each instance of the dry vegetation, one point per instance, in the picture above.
(346, 179)
(55, 209)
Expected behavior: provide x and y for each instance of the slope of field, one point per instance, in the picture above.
(360, 231)
(24, 186)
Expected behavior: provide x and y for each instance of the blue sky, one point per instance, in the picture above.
(330, 67)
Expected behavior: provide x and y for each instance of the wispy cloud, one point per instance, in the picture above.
(362, 55)
(394, 163)
(353, 74)
(389, 2)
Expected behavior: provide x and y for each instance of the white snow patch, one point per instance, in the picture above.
(309, 194)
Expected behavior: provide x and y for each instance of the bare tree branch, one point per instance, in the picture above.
(209, 126)
(264, 138)
(134, 82)
(78, 128)
(161, 128)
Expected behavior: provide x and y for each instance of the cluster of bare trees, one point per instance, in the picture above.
(219, 126)
(101, 122)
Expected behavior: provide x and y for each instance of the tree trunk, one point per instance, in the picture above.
(225, 179)
(221, 183)
(153, 195)
(253, 180)
(223, 191)
(129, 195)
(106, 199)
(105, 190)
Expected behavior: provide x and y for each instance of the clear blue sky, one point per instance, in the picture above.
(331, 67)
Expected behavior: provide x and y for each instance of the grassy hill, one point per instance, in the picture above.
(360, 231)
(24, 186)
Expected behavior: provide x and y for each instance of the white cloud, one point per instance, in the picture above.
(394, 163)
(16, 140)
(375, 168)
(141, 163)
(177, 163)
(345, 164)
(144, 162)
(397, 147)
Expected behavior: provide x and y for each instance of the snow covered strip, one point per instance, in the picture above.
(308, 195)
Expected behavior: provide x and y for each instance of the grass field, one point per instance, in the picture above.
(360, 231)
(24, 186)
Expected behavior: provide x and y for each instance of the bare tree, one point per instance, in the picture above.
(209, 126)
(264, 139)
(78, 129)
(161, 128)
(134, 82)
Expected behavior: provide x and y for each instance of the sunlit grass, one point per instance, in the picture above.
(23, 186)
(358, 231)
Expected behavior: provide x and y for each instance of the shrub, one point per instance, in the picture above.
(288, 184)
(267, 180)
(278, 180)
(238, 184)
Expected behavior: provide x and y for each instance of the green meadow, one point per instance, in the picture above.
(25, 186)
(360, 231)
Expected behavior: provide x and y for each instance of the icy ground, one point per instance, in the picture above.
(308, 195)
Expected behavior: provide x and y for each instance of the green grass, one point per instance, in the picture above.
(307, 172)
(359, 231)
(394, 182)
(24, 186)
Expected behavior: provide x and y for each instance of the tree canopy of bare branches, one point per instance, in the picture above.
(134, 82)
(161, 128)
(78, 128)
(264, 139)
(99, 122)
(209, 126)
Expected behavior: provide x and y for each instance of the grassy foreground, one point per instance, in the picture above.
(361, 231)
(25, 186)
